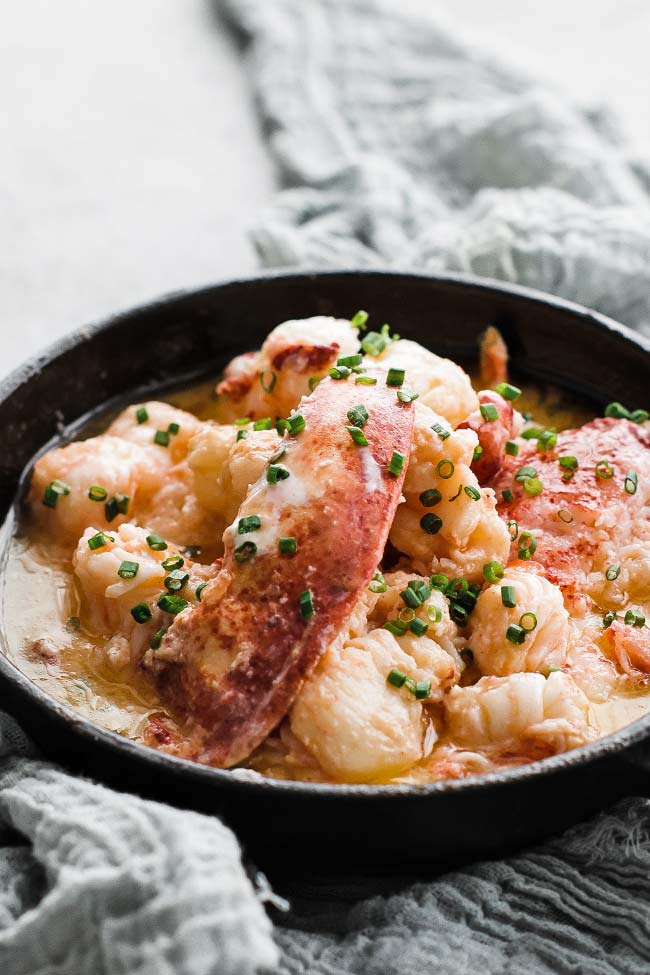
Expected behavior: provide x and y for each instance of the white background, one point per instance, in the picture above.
(130, 159)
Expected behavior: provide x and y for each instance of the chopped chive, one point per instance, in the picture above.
(96, 493)
(358, 415)
(507, 391)
(533, 486)
(445, 469)
(430, 498)
(250, 523)
(265, 423)
(422, 689)
(141, 613)
(306, 603)
(374, 343)
(608, 619)
(438, 581)
(457, 494)
(378, 583)
(478, 452)
(396, 627)
(395, 377)
(631, 482)
(639, 416)
(515, 634)
(565, 515)
(97, 541)
(507, 495)
(276, 472)
(489, 412)
(117, 505)
(128, 570)
(407, 395)
(365, 381)
(198, 592)
(53, 491)
(268, 379)
(156, 543)
(613, 572)
(472, 492)
(532, 433)
(527, 546)
(617, 411)
(358, 436)
(161, 437)
(173, 562)
(547, 440)
(242, 421)
(568, 462)
(458, 614)
(173, 428)
(359, 320)
(171, 603)
(245, 552)
(634, 617)
(396, 677)
(157, 638)
(528, 622)
(406, 614)
(513, 530)
(440, 430)
(176, 580)
(604, 469)
(509, 596)
(313, 382)
(350, 361)
(525, 472)
(492, 571)
(413, 598)
(396, 465)
(295, 423)
(434, 613)
(141, 414)
(340, 372)
(287, 545)
(431, 524)
(241, 435)
(512, 448)
(418, 627)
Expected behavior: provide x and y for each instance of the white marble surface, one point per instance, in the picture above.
(131, 163)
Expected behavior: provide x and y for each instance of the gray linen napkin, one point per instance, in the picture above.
(403, 145)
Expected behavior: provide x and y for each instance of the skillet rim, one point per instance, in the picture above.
(242, 781)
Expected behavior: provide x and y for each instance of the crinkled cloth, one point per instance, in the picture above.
(403, 145)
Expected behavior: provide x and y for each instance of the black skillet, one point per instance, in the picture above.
(285, 824)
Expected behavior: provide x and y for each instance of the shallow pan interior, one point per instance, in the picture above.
(287, 824)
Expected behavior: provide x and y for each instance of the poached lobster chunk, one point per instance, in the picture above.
(234, 664)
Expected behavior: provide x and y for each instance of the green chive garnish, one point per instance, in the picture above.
(489, 411)
(156, 543)
(266, 423)
(430, 498)
(53, 491)
(515, 633)
(604, 469)
(161, 437)
(288, 545)
(418, 627)
(359, 320)
(176, 580)
(306, 603)
(358, 415)
(492, 571)
(97, 541)
(547, 440)
(358, 436)
(613, 572)
(631, 482)
(96, 493)
(350, 361)
(250, 523)
(431, 524)
(472, 493)
(313, 383)
(396, 678)
(440, 430)
(478, 452)
(533, 486)
(507, 495)
(406, 395)
(512, 448)
(565, 515)
(396, 465)
(198, 592)
(157, 638)
(173, 562)
(268, 380)
(276, 472)
(524, 473)
(634, 617)
(396, 627)
(507, 391)
(378, 583)
(339, 372)
(171, 603)
(141, 414)
(245, 552)
(527, 546)
(241, 435)
(513, 530)
(528, 622)
(295, 423)
(117, 505)
(365, 381)
(128, 570)
(173, 428)
(509, 596)
(445, 469)
(141, 613)
(395, 377)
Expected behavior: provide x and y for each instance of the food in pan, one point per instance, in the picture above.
(344, 564)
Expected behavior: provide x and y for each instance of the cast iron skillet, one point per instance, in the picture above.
(286, 824)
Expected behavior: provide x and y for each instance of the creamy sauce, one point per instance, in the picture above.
(46, 642)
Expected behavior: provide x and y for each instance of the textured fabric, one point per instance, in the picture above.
(405, 145)
(402, 145)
